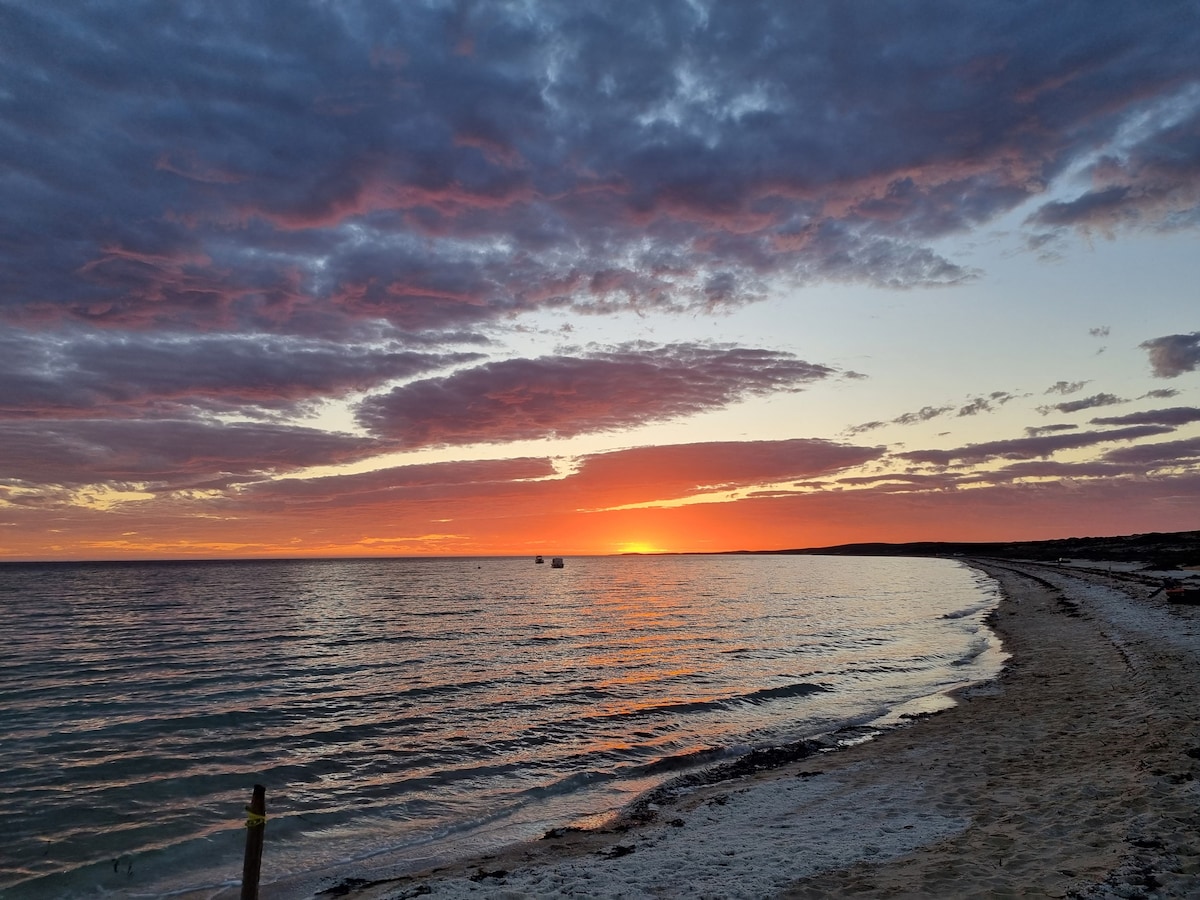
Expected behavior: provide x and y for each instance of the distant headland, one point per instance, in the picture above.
(1157, 550)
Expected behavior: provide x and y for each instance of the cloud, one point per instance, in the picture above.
(1038, 430)
(1055, 469)
(1037, 470)
(52, 375)
(360, 164)
(441, 484)
(1179, 415)
(1091, 402)
(1095, 207)
(1066, 387)
(648, 474)
(976, 406)
(864, 427)
(984, 404)
(530, 487)
(564, 396)
(924, 414)
(1151, 178)
(166, 454)
(1173, 354)
(1168, 453)
(1029, 447)
(973, 407)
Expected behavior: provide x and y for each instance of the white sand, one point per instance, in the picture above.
(1069, 776)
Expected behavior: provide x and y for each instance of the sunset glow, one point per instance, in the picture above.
(489, 278)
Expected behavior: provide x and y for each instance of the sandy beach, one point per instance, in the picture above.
(1071, 775)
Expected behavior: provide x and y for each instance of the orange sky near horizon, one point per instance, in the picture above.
(551, 524)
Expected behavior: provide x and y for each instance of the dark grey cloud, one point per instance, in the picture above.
(864, 427)
(984, 404)
(434, 483)
(1179, 415)
(1154, 181)
(1173, 354)
(52, 375)
(440, 165)
(1124, 465)
(1066, 387)
(564, 396)
(1168, 453)
(924, 414)
(1038, 430)
(973, 407)
(1054, 469)
(1105, 206)
(1073, 406)
(1029, 447)
(950, 480)
(165, 454)
(903, 482)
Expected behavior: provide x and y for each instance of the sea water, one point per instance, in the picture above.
(399, 711)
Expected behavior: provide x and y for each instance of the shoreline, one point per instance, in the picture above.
(1070, 774)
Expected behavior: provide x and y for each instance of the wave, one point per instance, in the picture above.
(800, 689)
(687, 707)
(976, 649)
(463, 612)
(677, 762)
(963, 613)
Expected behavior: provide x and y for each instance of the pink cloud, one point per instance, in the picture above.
(565, 396)
(650, 474)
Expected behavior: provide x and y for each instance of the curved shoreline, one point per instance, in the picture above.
(1068, 775)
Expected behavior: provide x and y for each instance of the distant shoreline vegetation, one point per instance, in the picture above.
(1160, 550)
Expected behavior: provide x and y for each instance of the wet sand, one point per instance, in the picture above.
(1071, 775)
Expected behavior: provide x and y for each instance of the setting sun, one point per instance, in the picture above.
(638, 547)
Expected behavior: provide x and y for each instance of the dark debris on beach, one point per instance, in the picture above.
(644, 809)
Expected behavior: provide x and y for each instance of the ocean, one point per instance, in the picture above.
(402, 711)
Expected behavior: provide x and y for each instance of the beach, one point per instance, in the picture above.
(1070, 775)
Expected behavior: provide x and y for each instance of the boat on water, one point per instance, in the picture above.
(539, 560)
(556, 563)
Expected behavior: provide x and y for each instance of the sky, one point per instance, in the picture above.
(454, 278)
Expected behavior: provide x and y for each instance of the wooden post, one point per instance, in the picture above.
(256, 823)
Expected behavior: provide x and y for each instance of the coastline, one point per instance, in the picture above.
(1071, 774)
